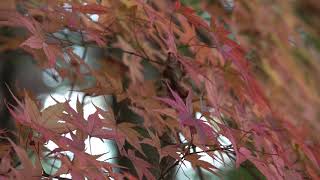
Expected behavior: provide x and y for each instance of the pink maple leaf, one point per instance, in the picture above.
(186, 117)
(184, 109)
(35, 42)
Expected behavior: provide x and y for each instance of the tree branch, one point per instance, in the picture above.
(166, 172)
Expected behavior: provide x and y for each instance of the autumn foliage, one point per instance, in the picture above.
(263, 105)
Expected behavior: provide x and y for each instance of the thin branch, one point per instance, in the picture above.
(166, 172)
(141, 56)
(44, 174)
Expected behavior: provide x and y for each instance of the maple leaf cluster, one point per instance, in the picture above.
(199, 69)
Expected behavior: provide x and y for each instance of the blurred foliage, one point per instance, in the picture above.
(282, 40)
